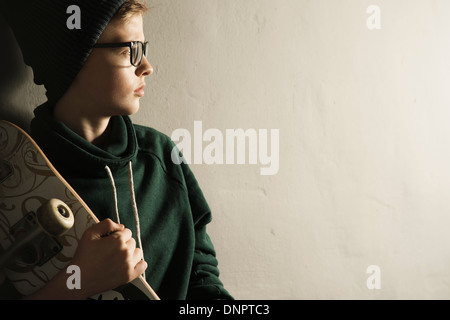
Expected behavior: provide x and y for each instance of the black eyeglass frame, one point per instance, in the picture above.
(132, 45)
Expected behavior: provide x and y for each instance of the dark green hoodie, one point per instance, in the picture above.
(173, 212)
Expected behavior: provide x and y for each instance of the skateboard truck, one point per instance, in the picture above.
(35, 235)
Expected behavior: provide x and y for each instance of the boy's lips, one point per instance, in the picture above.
(140, 91)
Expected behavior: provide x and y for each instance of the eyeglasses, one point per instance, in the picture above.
(137, 50)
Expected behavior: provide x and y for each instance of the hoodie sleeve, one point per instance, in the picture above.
(204, 282)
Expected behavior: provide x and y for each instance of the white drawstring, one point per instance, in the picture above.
(113, 185)
(133, 203)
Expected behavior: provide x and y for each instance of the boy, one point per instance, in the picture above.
(95, 76)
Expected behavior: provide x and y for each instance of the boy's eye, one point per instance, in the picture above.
(125, 51)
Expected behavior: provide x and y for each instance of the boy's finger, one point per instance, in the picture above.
(140, 267)
(138, 255)
(105, 228)
(124, 235)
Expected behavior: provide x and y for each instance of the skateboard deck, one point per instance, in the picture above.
(27, 181)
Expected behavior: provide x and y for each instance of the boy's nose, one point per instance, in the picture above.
(145, 69)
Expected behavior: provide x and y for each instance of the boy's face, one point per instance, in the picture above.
(108, 84)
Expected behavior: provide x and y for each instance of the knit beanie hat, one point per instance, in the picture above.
(53, 45)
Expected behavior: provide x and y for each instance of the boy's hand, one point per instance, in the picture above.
(107, 257)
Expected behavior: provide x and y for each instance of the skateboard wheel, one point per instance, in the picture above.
(55, 217)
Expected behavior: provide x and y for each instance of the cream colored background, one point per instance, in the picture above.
(364, 174)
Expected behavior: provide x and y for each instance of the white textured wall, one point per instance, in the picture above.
(364, 172)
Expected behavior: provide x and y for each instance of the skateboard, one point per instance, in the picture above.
(42, 219)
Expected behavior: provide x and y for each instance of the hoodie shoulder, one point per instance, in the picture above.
(157, 144)
(152, 140)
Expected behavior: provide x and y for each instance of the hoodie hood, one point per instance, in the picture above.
(68, 149)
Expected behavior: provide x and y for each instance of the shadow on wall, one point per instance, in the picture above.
(12, 75)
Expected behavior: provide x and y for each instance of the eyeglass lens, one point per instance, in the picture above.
(138, 52)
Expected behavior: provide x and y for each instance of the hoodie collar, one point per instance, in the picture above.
(62, 145)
